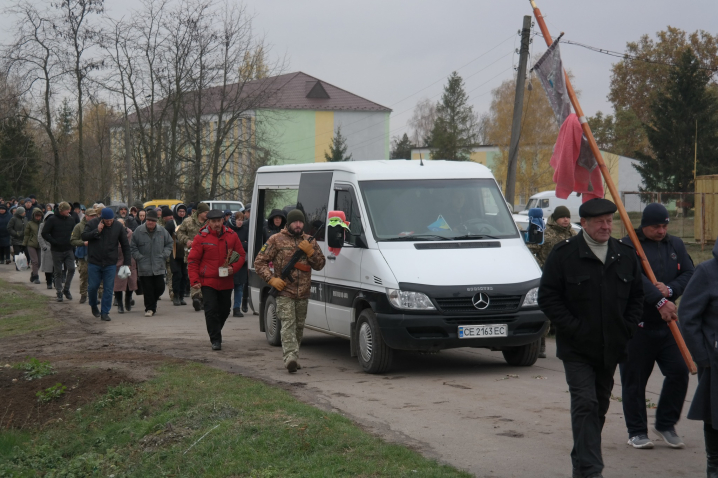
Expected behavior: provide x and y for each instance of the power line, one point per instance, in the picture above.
(627, 56)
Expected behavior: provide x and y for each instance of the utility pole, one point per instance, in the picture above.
(518, 110)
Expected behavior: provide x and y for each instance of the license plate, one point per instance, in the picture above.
(479, 331)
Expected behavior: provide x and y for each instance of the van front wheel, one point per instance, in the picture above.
(523, 356)
(374, 355)
(272, 324)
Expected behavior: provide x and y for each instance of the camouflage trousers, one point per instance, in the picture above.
(82, 270)
(292, 313)
(169, 279)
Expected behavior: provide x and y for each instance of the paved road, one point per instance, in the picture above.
(463, 407)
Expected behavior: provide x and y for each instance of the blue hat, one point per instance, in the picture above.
(107, 213)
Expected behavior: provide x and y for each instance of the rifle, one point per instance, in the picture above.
(286, 274)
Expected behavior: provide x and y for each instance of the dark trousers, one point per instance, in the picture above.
(590, 387)
(648, 347)
(66, 258)
(152, 288)
(217, 304)
(180, 279)
(4, 253)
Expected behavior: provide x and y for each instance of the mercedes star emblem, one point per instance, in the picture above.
(480, 301)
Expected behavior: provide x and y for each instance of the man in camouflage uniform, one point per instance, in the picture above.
(293, 297)
(185, 235)
(76, 241)
(558, 229)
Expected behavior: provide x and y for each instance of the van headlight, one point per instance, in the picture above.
(531, 299)
(409, 300)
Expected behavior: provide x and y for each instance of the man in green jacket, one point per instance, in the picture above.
(81, 252)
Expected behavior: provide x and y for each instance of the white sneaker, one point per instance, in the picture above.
(149, 313)
(640, 441)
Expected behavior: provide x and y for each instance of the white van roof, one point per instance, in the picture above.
(393, 169)
(547, 194)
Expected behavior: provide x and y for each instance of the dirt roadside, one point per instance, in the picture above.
(464, 407)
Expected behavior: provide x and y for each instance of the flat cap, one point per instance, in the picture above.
(596, 207)
(215, 214)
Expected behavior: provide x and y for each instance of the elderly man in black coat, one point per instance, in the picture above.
(654, 342)
(591, 291)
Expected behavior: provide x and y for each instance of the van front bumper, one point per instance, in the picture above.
(425, 332)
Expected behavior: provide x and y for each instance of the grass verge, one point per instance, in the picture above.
(23, 310)
(192, 420)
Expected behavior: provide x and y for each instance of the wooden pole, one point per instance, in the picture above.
(614, 191)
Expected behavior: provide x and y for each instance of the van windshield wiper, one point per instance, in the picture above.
(474, 236)
(420, 237)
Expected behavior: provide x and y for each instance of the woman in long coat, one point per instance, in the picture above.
(128, 285)
(45, 254)
(699, 323)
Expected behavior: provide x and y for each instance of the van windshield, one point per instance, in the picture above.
(437, 209)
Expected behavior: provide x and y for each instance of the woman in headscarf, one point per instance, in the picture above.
(128, 285)
(45, 254)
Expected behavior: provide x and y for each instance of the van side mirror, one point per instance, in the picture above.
(536, 227)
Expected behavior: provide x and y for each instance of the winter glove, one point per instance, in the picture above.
(307, 247)
(234, 257)
(124, 272)
(277, 283)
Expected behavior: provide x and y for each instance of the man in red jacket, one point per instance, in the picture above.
(216, 255)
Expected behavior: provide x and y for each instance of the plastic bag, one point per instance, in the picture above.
(21, 262)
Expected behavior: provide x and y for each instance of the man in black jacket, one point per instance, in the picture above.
(103, 235)
(654, 342)
(58, 232)
(241, 228)
(591, 291)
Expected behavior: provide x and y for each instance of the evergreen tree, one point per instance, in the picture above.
(338, 149)
(672, 127)
(455, 130)
(18, 157)
(401, 148)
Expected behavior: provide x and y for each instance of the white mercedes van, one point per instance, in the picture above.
(432, 259)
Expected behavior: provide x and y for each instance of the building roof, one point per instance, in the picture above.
(291, 91)
(392, 169)
(304, 92)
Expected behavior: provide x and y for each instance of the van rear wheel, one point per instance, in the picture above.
(523, 356)
(374, 355)
(272, 324)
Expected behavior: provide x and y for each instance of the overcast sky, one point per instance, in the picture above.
(396, 52)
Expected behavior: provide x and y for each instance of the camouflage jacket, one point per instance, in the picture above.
(279, 249)
(188, 229)
(552, 236)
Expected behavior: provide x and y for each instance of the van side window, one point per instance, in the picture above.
(544, 204)
(345, 201)
(313, 199)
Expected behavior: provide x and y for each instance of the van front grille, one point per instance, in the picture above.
(497, 303)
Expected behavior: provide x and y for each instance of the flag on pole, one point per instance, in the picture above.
(549, 69)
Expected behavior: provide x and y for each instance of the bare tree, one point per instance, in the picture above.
(32, 58)
(78, 36)
(422, 122)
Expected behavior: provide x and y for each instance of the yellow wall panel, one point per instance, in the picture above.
(324, 124)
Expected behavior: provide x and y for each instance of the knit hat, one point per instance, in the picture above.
(151, 215)
(107, 213)
(202, 207)
(295, 215)
(166, 212)
(654, 214)
(19, 210)
(64, 206)
(561, 211)
(3, 206)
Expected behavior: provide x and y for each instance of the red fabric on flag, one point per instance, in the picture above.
(568, 176)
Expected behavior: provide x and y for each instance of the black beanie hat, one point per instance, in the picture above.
(166, 212)
(295, 215)
(561, 211)
(655, 214)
